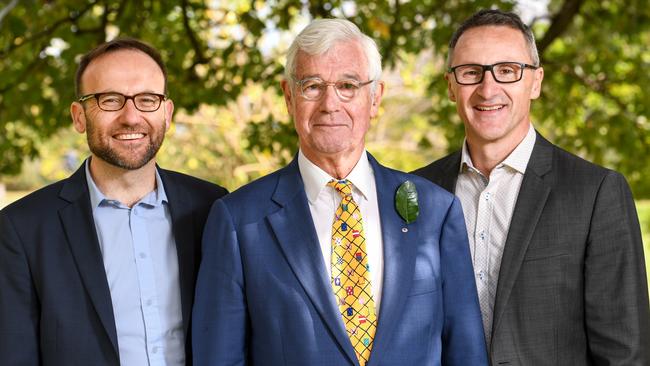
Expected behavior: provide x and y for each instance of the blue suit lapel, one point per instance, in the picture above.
(78, 224)
(399, 259)
(295, 232)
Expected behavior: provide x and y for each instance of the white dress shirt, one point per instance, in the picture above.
(488, 203)
(323, 202)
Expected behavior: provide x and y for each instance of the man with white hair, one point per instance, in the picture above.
(327, 261)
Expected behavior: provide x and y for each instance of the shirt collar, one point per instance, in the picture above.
(517, 160)
(154, 198)
(315, 179)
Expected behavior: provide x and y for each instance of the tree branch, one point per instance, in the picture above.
(559, 23)
(47, 31)
(7, 9)
(199, 57)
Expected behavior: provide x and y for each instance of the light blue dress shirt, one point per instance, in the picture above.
(141, 265)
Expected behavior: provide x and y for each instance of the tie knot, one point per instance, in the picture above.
(343, 186)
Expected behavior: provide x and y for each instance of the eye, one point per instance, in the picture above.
(312, 85)
(147, 99)
(111, 99)
(507, 69)
(347, 85)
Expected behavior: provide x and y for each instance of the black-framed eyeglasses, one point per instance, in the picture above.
(314, 88)
(502, 72)
(111, 102)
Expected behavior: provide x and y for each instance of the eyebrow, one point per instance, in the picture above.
(348, 75)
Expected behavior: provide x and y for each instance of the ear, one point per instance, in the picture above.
(288, 97)
(537, 83)
(376, 99)
(78, 117)
(450, 91)
(169, 112)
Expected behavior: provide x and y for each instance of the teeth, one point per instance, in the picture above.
(494, 108)
(129, 136)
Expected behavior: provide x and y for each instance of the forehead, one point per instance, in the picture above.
(123, 70)
(490, 44)
(345, 59)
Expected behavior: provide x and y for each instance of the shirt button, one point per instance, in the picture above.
(481, 275)
(155, 350)
(149, 302)
(143, 255)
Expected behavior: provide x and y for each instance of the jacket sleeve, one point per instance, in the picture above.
(19, 305)
(616, 293)
(220, 323)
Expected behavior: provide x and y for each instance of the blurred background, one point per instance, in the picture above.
(225, 61)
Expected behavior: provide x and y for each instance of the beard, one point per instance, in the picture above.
(129, 159)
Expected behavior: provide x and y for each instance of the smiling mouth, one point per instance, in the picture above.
(128, 136)
(489, 108)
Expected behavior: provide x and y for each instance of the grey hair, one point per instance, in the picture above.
(487, 17)
(321, 35)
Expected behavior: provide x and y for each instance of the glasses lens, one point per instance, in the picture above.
(147, 102)
(347, 89)
(468, 74)
(312, 89)
(110, 101)
(507, 72)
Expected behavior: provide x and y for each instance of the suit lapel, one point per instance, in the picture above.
(450, 167)
(399, 259)
(183, 231)
(297, 237)
(531, 201)
(78, 224)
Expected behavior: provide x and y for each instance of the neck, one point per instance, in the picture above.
(126, 186)
(338, 166)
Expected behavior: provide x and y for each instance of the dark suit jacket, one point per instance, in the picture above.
(264, 298)
(572, 286)
(55, 303)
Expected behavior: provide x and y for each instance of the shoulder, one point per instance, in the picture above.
(37, 203)
(257, 192)
(439, 168)
(193, 186)
(575, 170)
(428, 193)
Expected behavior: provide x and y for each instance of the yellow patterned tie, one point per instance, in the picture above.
(351, 273)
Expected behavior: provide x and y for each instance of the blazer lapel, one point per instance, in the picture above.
(78, 224)
(183, 231)
(294, 229)
(399, 243)
(450, 167)
(530, 203)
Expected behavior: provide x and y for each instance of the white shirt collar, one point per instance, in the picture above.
(315, 179)
(518, 158)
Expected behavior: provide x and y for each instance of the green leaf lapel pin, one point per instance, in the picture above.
(406, 201)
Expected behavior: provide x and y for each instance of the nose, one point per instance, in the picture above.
(488, 87)
(130, 113)
(330, 102)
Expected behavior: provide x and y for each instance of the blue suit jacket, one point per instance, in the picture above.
(264, 297)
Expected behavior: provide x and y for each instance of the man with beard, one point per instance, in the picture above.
(99, 268)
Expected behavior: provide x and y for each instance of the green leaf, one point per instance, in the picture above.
(406, 202)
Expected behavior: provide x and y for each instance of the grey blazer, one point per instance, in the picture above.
(572, 287)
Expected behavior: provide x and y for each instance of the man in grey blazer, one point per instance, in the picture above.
(555, 240)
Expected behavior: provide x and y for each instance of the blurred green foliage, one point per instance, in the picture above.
(225, 65)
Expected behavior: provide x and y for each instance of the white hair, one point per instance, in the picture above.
(321, 35)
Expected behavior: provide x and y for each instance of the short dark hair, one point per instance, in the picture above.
(116, 45)
(496, 17)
